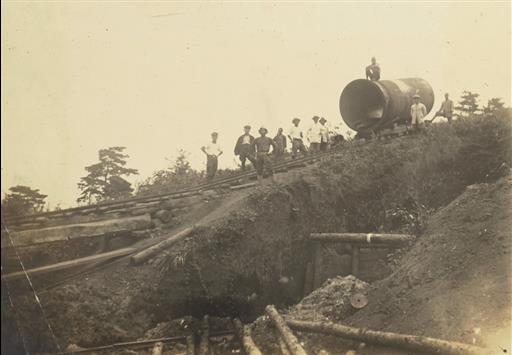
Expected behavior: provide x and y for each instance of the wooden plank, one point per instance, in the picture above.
(308, 279)
(155, 249)
(405, 341)
(244, 335)
(69, 264)
(289, 338)
(157, 348)
(80, 230)
(317, 266)
(191, 345)
(364, 238)
(204, 343)
(355, 260)
(244, 186)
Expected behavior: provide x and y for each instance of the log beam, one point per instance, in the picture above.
(148, 253)
(289, 338)
(69, 264)
(363, 238)
(409, 342)
(244, 335)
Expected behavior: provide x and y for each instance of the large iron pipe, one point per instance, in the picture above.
(367, 105)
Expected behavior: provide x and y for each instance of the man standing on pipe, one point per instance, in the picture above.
(373, 70)
(296, 136)
(244, 148)
(418, 112)
(212, 151)
(262, 147)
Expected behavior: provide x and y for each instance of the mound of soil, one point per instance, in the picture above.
(454, 283)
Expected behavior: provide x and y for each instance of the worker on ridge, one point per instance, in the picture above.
(262, 146)
(314, 135)
(446, 109)
(418, 113)
(296, 137)
(324, 133)
(244, 148)
(212, 151)
(373, 71)
(280, 141)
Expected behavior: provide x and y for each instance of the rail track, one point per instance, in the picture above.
(103, 207)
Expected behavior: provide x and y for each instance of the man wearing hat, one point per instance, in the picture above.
(262, 146)
(296, 136)
(280, 141)
(212, 151)
(244, 148)
(324, 133)
(314, 135)
(418, 112)
(373, 71)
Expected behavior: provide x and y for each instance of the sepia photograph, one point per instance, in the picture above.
(253, 177)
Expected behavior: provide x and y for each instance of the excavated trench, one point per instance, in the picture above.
(254, 250)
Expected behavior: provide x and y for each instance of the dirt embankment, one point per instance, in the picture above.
(250, 249)
(454, 283)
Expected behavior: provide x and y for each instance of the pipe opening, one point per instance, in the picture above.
(362, 104)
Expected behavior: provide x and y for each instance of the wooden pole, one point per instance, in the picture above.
(155, 249)
(69, 264)
(244, 335)
(317, 267)
(204, 343)
(282, 344)
(191, 345)
(355, 260)
(364, 238)
(410, 342)
(291, 341)
(157, 348)
(308, 279)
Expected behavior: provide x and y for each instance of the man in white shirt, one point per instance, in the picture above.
(418, 112)
(296, 137)
(324, 133)
(212, 151)
(314, 136)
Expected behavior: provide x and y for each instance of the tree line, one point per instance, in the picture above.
(106, 179)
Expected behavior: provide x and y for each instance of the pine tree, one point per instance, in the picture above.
(468, 104)
(104, 180)
(494, 105)
(23, 200)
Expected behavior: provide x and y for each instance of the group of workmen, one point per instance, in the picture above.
(258, 150)
(418, 109)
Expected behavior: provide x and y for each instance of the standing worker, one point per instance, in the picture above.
(212, 151)
(244, 148)
(280, 141)
(262, 146)
(324, 133)
(446, 109)
(314, 135)
(296, 137)
(418, 112)
(373, 71)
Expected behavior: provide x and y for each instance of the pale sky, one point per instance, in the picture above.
(158, 76)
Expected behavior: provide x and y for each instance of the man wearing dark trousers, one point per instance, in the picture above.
(244, 148)
(262, 146)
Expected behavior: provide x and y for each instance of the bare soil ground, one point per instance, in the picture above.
(251, 247)
(454, 283)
